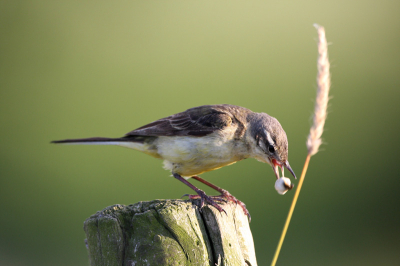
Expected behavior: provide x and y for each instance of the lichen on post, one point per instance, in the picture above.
(169, 232)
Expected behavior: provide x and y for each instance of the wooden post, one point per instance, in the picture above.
(169, 232)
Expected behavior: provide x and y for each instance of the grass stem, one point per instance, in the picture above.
(320, 111)
(289, 216)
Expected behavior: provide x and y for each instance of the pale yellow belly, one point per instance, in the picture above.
(190, 156)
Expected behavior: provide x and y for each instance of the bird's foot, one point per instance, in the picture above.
(212, 200)
(224, 197)
(225, 194)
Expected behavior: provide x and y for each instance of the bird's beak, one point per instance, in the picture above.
(275, 167)
(286, 164)
(276, 171)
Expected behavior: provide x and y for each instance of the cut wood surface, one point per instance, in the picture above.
(169, 232)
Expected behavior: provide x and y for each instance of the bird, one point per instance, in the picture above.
(206, 138)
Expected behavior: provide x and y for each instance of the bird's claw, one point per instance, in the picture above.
(209, 199)
(215, 198)
(212, 200)
(229, 197)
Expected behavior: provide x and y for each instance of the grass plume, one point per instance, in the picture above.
(321, 103)
(314, 138)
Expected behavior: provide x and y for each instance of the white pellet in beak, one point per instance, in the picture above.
(282, 185)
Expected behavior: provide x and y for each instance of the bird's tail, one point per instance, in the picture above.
(128, 141)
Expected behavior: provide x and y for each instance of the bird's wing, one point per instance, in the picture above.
(197, 121)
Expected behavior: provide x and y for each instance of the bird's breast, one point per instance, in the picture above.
(190, 156)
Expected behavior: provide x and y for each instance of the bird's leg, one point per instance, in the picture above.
(201, 194)
(224, 194)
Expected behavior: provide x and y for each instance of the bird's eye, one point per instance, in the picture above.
(271, 149)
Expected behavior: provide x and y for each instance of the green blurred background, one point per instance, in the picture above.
(71, 69)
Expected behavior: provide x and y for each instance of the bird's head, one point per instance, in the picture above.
(270, 141)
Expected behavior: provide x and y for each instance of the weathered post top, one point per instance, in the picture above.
(169, 232)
